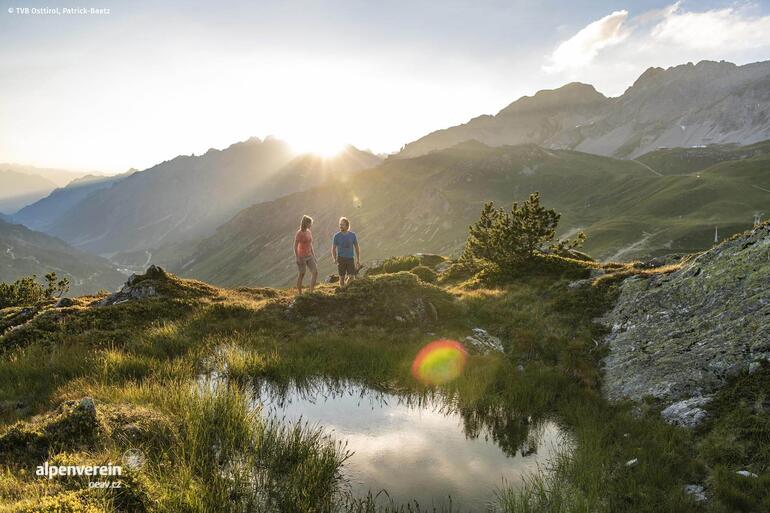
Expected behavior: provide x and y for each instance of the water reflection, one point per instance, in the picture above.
(418, 447)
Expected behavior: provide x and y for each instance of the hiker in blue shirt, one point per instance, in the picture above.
(344, 249)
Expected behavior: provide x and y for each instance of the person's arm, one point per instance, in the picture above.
(334, 253)
(358, 253)
(296, 245)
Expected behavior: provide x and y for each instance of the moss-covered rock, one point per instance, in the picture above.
(709, 318)
(80, 425)
(156, 283)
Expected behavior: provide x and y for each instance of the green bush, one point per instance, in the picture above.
(426, 274)
(28, 292)
(23, 292)
(509, 238)
(396, 264)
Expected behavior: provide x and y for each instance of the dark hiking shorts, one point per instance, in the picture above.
(346, 266)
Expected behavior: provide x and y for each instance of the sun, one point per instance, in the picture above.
(318, 144)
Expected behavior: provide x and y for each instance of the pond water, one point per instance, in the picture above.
(420, 449)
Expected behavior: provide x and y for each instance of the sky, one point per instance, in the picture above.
(147, 81)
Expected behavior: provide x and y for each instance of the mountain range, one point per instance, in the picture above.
(21, 185)
(44, 213)
(183, 198)
(24, 252)
(18, 189)
(683, 106)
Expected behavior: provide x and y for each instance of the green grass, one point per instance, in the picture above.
(142, 362)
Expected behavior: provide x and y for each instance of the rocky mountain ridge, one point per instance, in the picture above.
(186, 197)
(682, 106)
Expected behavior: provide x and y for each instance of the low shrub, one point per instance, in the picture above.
(395, 264)
(426, 274)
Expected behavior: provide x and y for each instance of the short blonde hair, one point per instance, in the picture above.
(305, 223)
(346, 221)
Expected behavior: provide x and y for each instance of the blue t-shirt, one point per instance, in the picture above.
(344, 242)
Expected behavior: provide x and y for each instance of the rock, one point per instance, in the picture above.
(64, 303)
(443, 266)
(137, 287)
(632, 463)
(400, 319)
(746, 473)
(697, 492)
(155, 272)
(483, 342)
(685, 334)
(332, 278)
(520, 368)
(88, 406)
(579, 283)
(686, 413)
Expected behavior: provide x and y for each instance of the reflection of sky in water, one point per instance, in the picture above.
(413, 452)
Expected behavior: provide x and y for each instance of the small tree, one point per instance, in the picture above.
(508, 238)
(56, 287)
(27, 291)
(23, 292)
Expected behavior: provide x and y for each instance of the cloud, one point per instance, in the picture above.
(612, 52)
(584, 46)
(724, 29)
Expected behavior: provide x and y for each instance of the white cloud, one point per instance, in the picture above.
(723, 29)
(612, 52)
(584, 46)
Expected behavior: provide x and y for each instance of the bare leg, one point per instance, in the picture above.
(313, 280)
(342, 280)
(299, 282)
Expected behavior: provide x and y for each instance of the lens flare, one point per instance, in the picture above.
(439, 362)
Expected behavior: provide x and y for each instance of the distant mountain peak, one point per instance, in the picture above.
(572, 94)
(702, 70)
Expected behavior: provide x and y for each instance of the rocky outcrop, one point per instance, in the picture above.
(681, 336)
(686, 413)
(483, 342)
(138, 286)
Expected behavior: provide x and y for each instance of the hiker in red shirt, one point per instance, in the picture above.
(304, 254)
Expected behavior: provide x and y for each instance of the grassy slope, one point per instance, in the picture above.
(421, 204)
(139, 361)
(24, 252)
(426, 204)
(682, 161)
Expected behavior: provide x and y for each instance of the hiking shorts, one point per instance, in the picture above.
(346, 266)
(306, 262)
